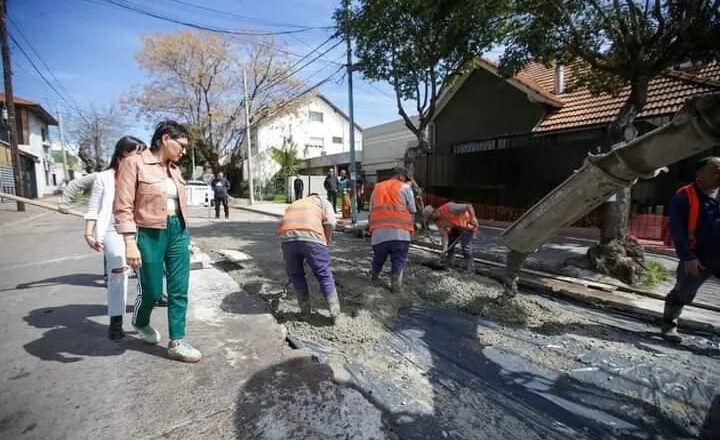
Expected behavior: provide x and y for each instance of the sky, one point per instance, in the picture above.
(89, 48)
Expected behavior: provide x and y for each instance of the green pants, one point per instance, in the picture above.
(166, 248)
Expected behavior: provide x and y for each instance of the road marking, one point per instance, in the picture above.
(54, 260)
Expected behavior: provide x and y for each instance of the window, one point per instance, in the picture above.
(43, 134)
(316, 116)
(337, 140)
(316, 142)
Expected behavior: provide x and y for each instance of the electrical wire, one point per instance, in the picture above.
(124, 4)
(260, 21)
(109, 3)
(32, 49)
(34, 66)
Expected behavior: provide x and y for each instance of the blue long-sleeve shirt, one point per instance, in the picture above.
(707, 234)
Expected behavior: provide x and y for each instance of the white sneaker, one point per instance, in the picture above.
(181, 350)
(149, 334)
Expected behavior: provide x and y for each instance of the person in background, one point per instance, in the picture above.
(695, 230)
(306, 232)
(100, 234)
(458, 223)
(391, 223)
(221, 186)
(151, 212)
(298, 186)
(331, 187)
(344, 191)
(360, 187)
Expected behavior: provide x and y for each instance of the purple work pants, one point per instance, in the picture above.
(465, 238)
(317, 256)
(396, 249)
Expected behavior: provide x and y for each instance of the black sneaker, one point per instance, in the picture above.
(115, 331)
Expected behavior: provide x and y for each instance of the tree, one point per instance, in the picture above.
(287, 157)
(621, 45)
(197, 79)
(95, 131)
(419, 47)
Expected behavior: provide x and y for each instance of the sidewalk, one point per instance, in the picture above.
(552, 257)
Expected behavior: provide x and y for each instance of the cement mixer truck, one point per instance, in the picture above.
(695, 128)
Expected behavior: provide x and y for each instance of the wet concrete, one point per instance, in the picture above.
(452, 359)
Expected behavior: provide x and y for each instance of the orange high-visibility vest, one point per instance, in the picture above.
(304, 214)
(693, 214)
(389, 209)
(448, 220)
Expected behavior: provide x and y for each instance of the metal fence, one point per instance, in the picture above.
(7, 179)
(503, 177)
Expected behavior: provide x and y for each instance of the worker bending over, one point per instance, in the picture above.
(306, 232)
(458, 223)
(695, 230)
(391, 224)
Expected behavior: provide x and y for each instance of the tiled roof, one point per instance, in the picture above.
(666, 95)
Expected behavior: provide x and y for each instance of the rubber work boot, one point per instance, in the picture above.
(334, 306)
(396, 282)
(374, 276)
(470, 264)
(181, 350)
(669, 323)
(303, 299)
(115, 331)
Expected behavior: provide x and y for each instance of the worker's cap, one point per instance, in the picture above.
(427, 211)
(400, 170)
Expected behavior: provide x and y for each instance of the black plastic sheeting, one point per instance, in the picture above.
(483, 392)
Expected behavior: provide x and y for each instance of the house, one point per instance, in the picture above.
(318, 128)
(384, 147)
(34, 145)
(504, 143)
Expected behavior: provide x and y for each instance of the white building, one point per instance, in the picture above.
(318, 128)
(34, 144)
(384, 147)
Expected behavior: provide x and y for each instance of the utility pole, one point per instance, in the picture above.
(247, 137)
(353, 166)
(10, 105)
(62, 146)
(98, 145)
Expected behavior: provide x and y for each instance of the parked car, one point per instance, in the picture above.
(199, 193)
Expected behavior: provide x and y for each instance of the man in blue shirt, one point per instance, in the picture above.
(221, 186)
(695, 230)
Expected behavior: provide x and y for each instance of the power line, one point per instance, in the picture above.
(290, 71)
(34, 66)
(260, 21)
(123, 4)
(57, 81)
(261, 43)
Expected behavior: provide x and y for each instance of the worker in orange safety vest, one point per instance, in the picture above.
(695, 230)
(458, 223)
(391, 224)
(306, 232)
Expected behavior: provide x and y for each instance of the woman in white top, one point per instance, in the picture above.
(100, 234)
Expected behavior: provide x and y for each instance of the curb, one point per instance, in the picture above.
(258, 211)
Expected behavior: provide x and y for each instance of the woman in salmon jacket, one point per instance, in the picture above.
(151, 213)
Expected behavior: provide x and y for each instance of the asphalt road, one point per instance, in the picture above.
(61, 378)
